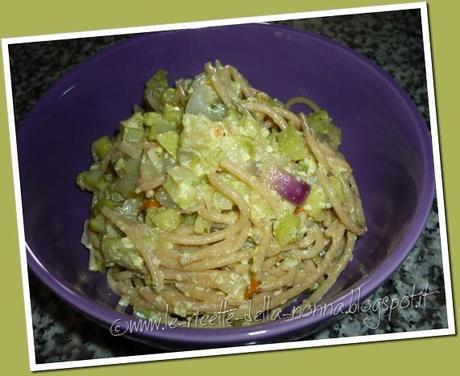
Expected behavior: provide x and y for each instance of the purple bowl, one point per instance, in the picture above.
(384, 139)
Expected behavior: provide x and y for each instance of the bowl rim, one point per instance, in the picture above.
(262, 332)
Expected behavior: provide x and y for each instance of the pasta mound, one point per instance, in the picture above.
(214, 194)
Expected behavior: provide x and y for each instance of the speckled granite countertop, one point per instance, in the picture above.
(394, 41)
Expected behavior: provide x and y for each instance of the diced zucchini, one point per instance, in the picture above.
(172, 113)
(165, 218)
(322, 124)
(92, 180)
(320, 121)
(133, 128)
(100, 148)
(202, 225)
(121, 251)
(188, 219)
(97, 207)
(132, 134)
(180, 186)
(155, 87)
(170, 141)
(97, 224)
(238, 149)
(136, 121)
(151, 118)
(156, 156)
(131, 206)
(158, 81)
(127, 166)
(147, 314)
(158, 124)
(315, 202)
(291, 142)
(286, 229)
(182, 174)
(119, 166)
(170, 97)
(308, 165)
(126, 186)
(251, 128)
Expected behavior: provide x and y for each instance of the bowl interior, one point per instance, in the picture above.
(384, 139)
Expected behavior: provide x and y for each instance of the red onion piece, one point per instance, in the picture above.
(288, 186)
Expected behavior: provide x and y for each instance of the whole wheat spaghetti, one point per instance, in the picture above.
(215, 193)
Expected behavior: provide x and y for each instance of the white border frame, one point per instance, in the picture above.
(450, 330)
